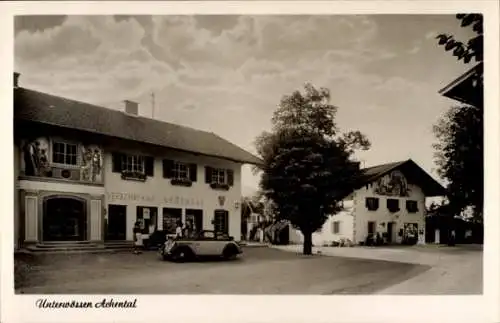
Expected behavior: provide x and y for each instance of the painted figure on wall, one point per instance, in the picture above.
(35, 157)
(393, 184)
(91, 164)
(31, 162)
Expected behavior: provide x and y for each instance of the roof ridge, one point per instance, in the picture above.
(120, 111)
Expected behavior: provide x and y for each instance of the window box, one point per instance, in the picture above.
(219, 178)
(181, 182)
(130, 175)
(218, 186)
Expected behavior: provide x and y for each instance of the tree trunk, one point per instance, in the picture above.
(307, 250)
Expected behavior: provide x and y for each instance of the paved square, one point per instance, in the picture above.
(258, 271)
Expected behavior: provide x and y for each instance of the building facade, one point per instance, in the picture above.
(390, 200)
(86, 173)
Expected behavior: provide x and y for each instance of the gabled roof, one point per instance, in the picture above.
(465, 88)
(49, 109)
(413, 173)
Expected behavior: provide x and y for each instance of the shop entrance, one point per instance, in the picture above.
(64, 219)
(221, 221)
(117, 222)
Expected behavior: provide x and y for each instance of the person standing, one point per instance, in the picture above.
(137, 237)
(178, 230)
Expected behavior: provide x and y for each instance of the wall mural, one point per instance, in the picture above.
(35, 156)
(393, 184)
(91, 166)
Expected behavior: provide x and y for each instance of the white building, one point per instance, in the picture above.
(86, 173)
(390, 199)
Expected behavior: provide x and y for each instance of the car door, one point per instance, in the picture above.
(206, 245)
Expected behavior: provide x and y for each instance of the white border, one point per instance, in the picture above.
(267, 308)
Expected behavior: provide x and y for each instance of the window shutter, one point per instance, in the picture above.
(208, 174)
(117, 162)
(149, 165)
(168, 166)
(230, 177)
(193, 169)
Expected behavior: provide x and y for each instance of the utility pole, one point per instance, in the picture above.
(153, 105)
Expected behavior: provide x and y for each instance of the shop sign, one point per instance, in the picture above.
(173, 199)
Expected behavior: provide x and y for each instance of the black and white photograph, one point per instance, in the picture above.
(328, 154)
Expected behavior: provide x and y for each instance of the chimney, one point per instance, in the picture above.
(16, 79)
(131, 107)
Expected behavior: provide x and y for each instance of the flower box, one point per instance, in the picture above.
(137, 176)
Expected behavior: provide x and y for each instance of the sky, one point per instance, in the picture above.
(227, 74)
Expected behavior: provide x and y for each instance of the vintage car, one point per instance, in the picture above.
(203, 244)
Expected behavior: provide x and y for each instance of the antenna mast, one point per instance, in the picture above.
(153, 104)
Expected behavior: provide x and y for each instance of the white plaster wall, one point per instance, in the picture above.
(156, 191)
(382, 214)
(326, 235)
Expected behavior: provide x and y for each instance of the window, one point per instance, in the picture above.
(393, 205)
(218, 176)
(171, 217)
(132, 163)
(412, 206)
(336, 227)
(64, 153)
(180, 171)
(371, 203)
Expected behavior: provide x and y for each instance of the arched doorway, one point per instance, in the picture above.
(64, 219)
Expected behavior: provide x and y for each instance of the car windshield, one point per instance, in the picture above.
(207, 235)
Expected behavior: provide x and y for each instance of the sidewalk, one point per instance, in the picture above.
(455, 270)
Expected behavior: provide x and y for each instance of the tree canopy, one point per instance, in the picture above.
(473, 49)
(307, 164)
(459, 151)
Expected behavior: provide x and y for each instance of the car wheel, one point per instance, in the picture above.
(229, 253)
(181, 255)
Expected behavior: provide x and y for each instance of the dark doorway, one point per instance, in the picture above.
(64, 219)
(117, 222)
(371, 227)
(390, 227)
(221, 221)
(196, 216)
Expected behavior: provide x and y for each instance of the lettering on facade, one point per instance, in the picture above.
(172, 199)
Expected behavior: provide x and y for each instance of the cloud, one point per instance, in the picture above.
(90, 53)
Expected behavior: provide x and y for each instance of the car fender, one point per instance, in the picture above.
(232, 244)
(184, 246)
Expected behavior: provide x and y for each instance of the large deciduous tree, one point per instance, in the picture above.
(459, 155)
(459, 151)
(307, 164)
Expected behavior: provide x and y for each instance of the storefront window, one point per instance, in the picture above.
(171, 217)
